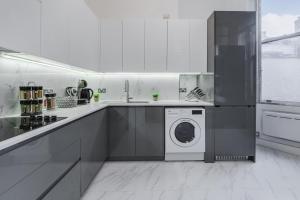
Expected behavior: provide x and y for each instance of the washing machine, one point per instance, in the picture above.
(184, 134)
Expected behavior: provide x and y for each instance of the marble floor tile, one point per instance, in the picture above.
(274, 176)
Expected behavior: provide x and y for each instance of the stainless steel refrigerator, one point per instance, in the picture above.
(232, 59)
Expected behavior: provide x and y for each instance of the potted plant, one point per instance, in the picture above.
(155, 96)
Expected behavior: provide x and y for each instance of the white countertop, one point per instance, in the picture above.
(81, 111)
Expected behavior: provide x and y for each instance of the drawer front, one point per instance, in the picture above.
(34, 185)
(68, 188)
(19, 163)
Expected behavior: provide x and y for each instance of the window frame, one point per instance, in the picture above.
(260, 42)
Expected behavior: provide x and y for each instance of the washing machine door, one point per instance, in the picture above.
(185, 132)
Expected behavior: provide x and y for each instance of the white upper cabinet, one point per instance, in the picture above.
(20, 25)
(111, 32)
(178, 46)
(198, 46)
(55, 29)
(133, 46)
(156, 46)
(84, 36)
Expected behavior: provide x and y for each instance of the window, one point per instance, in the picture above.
(280, 59)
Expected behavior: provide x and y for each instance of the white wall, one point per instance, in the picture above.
(202, 9)
(15, 73)
(133, 8)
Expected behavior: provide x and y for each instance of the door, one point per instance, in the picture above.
(20, 23)
(150, 132)
(234, 130)
(133, 46)
(185, 132)
(55, 30)
(198, 46)
(155, 46)
(93, 146)
(235, 57)
(111, 32)
(178, 46)
(84, 36)
(121, 132)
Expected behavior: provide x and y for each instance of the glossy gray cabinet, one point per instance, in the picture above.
(121, 132)
(232, 57)
(136, 133)
(209, 155)
(68, 187)
(28, 171)
(149, 133)
(234, 132)
(93, 146)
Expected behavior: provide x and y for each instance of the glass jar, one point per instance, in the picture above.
(37, 92)
(25, 92)
(40, 92)
(37, 107)
(50, 101)
(25, 107)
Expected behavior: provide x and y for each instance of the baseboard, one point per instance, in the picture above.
(136, 158)
(277, 146)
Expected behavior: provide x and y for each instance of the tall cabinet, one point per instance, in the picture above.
(54, 30)
(84, 36)
(178, 46)
(232, 58)
(111, 54)
(70, 33)
(20, 25)
(133, 45)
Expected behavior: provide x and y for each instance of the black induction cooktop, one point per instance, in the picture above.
(14, 126)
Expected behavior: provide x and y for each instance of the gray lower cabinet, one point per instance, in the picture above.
(93, 146)
(68, 187)
(234, 131)
(121, 132)
(30, 170)
(209, 155)
(136, 133)
(149, 134)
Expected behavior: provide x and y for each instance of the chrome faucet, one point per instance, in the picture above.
(126, 89)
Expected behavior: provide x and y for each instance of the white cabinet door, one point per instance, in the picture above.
(55, 30)
(155, 46)
(84, 36)
(20, 25)
(111, 46)
(178, 46)
(133, 46)
(198, 46)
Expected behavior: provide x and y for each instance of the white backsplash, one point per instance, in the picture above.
(14, 73)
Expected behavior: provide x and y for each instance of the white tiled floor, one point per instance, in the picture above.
(275, 176)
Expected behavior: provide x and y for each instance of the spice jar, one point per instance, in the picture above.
(25, 92)
(25, 107)
(37, 107)
(40, 92)
(37, 92)
(50, 101)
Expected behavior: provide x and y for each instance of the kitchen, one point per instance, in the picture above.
(141, 99)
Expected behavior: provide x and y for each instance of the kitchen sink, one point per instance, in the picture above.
(138, 102)
(122, 102)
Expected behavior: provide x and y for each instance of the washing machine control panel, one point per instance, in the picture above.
(197, 112)
(184, 112)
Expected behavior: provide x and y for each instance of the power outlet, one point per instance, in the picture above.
(102, 90)
(182, 90)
